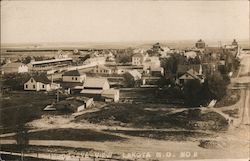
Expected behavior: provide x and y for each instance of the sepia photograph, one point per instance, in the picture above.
(125, 80)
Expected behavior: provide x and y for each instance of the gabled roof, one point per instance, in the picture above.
(12, 65)
(73, 73)
(95, 82)
(135, 73)
(200, 41)
(193, 74)
(41, 78)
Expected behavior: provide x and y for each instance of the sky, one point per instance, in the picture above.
(122, 21)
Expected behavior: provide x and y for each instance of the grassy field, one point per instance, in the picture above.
(73, 134)
(21, 107)
(230, 98)
(164, 135)
(155, 116)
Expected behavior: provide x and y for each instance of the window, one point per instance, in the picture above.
(75, 78)
(26, 86)
(31, 80)
(43, 86)
(72, 78)
(34, 86)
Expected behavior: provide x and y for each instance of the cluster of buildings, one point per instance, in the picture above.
(99, 76)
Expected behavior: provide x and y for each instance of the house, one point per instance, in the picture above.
(96, 60)
(157, 71)
(74, 76)
(40, 83)
(151, 62)
(14, 68)
(111, 95)
(157, 47)
(200, 44)
(93, 87)
(138, 59)
(101, 69)
(135, 74)
(191, 74)
(190, 54)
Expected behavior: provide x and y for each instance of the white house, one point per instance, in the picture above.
(135, 74)
(95, 60)
(111, 95)
(40, 83)
(138, 59)
(93, 87)
(14, 68)
(74, 76)
(191, 74)
(151, 62)
(101, 69)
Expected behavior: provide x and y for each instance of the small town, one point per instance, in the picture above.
(147, 101)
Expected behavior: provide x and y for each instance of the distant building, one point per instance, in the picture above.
(190, 54)
(93, 87)
(111, 95)
(138, 59)
(181, 69)
(40, 83)
(96, 60)
(74, 76)
(151, 62)
(157, 47)
(200, 44)
(14, 68)
(235, 43)
(157, 72)
(190, 75)
(101, 69)
(46, 65)
(135, 74)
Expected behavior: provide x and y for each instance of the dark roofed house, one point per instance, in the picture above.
(74, 76)
(190, 75)
(200, 44)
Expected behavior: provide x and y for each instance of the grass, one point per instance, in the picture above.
(22, 107)
(73, 135)
(232, 113)
(231, 97)
(136, 115)
(164, 135)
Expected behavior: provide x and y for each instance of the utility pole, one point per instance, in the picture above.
(57, 95)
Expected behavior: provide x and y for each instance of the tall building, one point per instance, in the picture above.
(200, 44)
(234, 43)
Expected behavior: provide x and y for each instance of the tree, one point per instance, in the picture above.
(192, 89)
(27, 60)
(130, 82)
(216, 85)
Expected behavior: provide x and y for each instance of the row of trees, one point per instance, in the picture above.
(196, 93)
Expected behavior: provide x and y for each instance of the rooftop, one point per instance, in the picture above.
(50, 61)
(73, 73)
(95, 82)
(12, 65)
